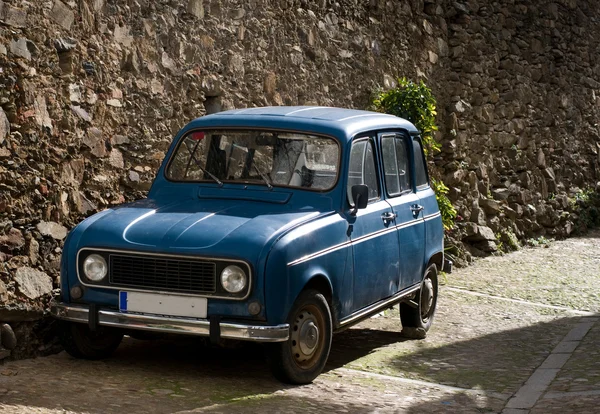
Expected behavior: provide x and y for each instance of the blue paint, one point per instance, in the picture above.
(123, 301)
(287, 235)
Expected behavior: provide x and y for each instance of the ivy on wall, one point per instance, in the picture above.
(415, 103)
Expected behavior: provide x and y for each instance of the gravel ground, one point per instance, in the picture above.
(564, 273)
(480, 351)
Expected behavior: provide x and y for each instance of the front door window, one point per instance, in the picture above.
(362, 168)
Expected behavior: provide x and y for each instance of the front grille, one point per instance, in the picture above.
(160, 273)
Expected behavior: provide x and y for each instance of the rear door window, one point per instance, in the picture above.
(395, 164)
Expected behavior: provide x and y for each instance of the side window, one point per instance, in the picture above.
(362, 168)
(390, 165)
(395, 164)
(403, 166)
(420, 169)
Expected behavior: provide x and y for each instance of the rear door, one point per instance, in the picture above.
(401, 194)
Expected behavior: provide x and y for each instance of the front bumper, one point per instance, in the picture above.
(156, 323)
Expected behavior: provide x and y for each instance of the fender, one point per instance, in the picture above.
(303, 256)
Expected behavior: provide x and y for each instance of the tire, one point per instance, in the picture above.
(301, 358)
(422, 315)
(80, 342)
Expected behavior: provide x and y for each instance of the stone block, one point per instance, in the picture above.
(62, 14)
(33, 283)
(41, 112)
(19, 48)
(490, 206)
(94, 139)
(13, 16)
(122, 35)
(52, 229)
(196, 8)
(503, 139)
(4, 126)
(478, 216)
(500, 193)
(12, 240)
(115, 158)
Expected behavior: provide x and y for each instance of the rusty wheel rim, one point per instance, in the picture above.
(427, 299)
(307, 339)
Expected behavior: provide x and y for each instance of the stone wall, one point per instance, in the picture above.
(92, 91)
(521, 112)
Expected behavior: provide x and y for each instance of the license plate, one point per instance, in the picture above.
(163, 304)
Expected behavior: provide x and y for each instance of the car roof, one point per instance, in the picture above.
(318, 119)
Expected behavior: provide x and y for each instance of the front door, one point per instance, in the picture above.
(373, 234)
(405, 202)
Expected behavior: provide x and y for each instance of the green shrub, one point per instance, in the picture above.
(586, 205)
(415, 102)
(446, 208)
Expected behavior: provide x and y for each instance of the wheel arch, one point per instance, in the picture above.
(321, 283)
(437, 259)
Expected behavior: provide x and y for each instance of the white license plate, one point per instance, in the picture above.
(163, 304)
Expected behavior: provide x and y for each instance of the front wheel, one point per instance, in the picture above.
(80, 342)
(302, 357)
(421, 315)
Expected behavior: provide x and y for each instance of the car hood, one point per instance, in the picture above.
(219, 227)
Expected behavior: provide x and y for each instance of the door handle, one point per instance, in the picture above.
(416, 209)
(388, 216)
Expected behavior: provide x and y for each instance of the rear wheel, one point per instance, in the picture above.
(80, 342)
(421, 315)
(302, 357)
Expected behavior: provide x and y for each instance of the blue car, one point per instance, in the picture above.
(279, 225)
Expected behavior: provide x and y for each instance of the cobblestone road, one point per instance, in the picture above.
(513, 334)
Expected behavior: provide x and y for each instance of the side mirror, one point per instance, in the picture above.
(360, 197)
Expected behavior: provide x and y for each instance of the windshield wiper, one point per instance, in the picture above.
(263, 176)
(205, 171)
(199, 165)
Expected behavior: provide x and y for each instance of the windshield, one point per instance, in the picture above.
(269, 158)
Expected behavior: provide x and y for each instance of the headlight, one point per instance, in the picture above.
(95, 267)
(233, 279)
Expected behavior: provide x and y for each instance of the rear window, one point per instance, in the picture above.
(421, 177)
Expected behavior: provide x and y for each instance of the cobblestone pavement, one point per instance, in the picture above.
(517, 333)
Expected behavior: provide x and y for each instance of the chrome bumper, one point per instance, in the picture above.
(155, 323)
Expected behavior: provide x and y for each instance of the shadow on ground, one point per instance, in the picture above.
(497, 362)
(187, 374)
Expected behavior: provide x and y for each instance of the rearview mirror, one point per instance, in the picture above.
(360, 197)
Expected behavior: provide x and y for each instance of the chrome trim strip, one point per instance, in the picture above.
(409, 224)
(114, 287)
(432, 216)
(378, 306)
(319, 253)
(341, 245)
(373, 235)
(155, 323)
(355, 241)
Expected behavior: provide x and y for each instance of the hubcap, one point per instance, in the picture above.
(309, 336)
(427, 297)
(305, 337)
